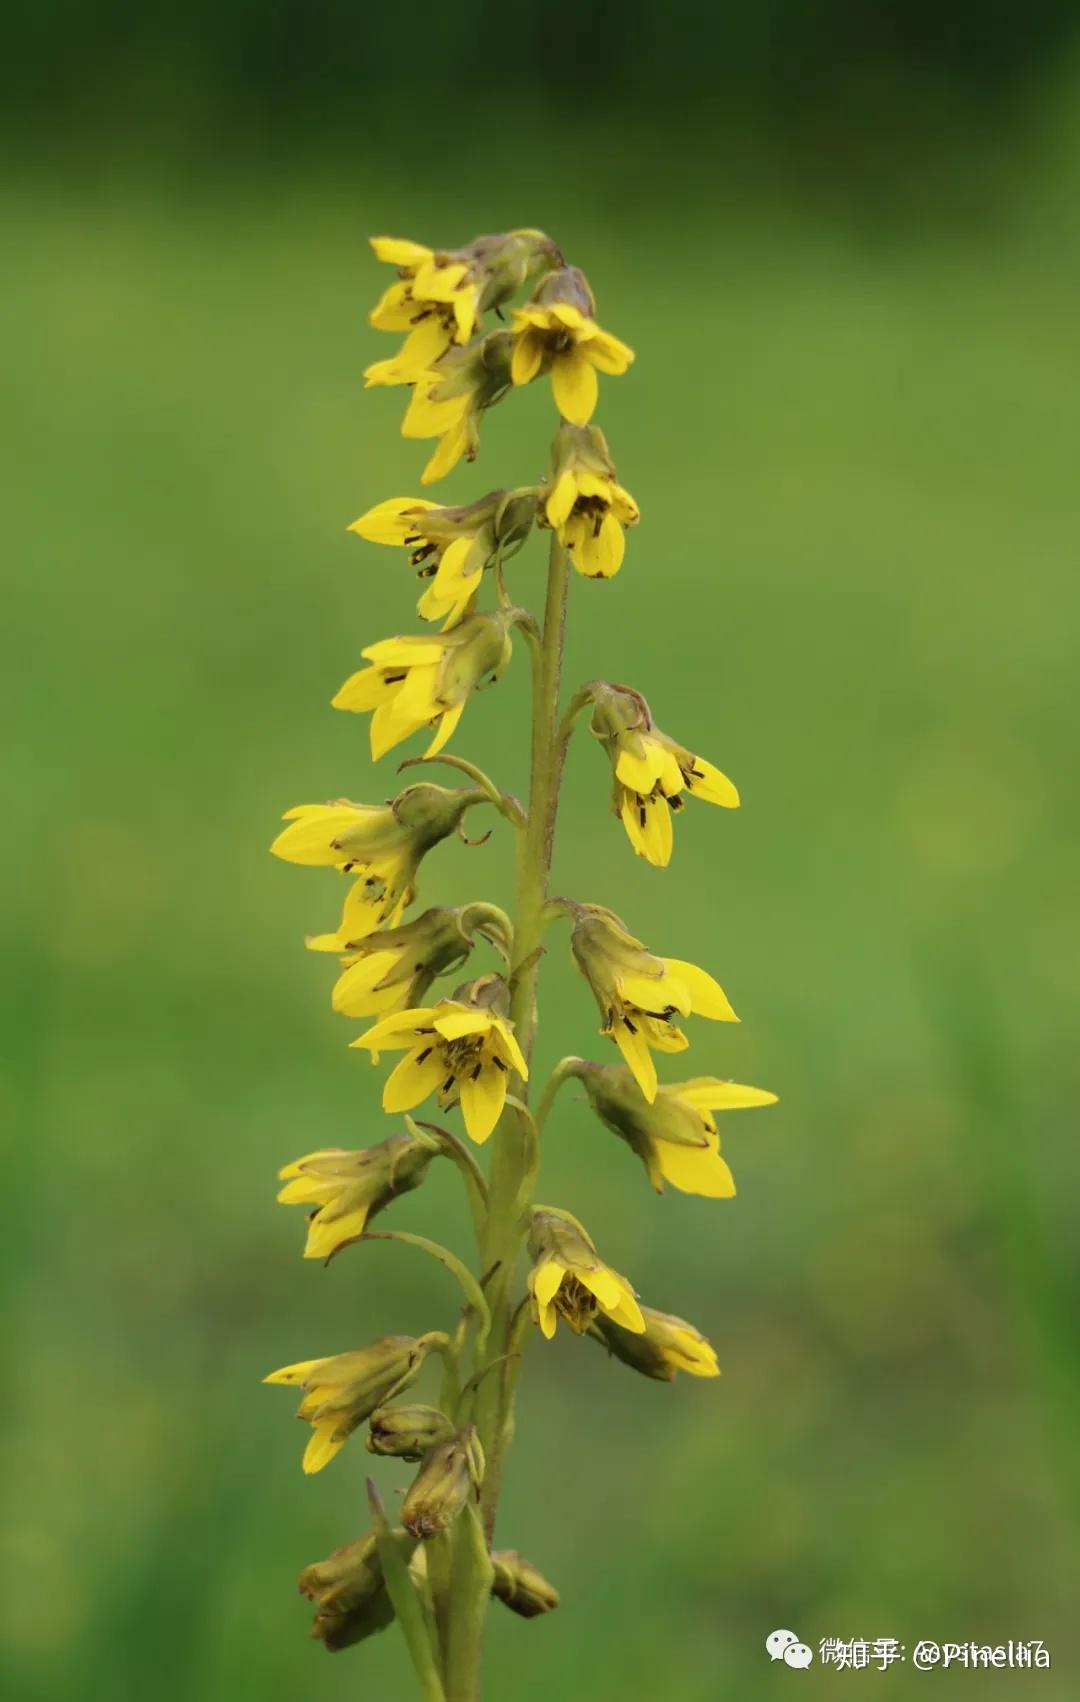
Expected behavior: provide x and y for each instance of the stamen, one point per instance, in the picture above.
(629, 1025)
(426, 1053)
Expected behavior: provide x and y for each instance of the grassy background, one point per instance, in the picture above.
(852, 431)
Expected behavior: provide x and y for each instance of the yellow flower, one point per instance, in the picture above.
(341, 1391)
(651, 771)
(675, 1135)
(438, 296)
(583, 503)
(667, 1345)
(569, 1280)
(448, 400)
(638, 994)
(450, 547)
(384, 843)
(348, 1188)
(558, 330)
(461, 1048)
(392, 970)
(425, 679)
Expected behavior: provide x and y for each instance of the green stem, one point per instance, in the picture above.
(512, 1166)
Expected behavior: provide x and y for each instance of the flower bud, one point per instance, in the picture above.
(520, 1586)
(350, 1188)
(408, 1432)
(350, 1595)
(666, 1345)
(450, 1473)
(343, 1390)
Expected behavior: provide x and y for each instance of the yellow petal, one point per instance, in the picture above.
(708, 997)
(418, 1074)
(399, 251)
(482, 1100)
(696, 1170)
(575, 386)
(451, 448)
(527, 358)
(393, 521)
(634, 1048)
(321, 1448)
(599, 555)
(561, 501)
(708, 1093)
(707, 783)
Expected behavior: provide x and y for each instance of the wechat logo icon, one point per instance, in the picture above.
(785, 1646)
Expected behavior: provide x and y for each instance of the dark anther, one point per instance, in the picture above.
(448, 1083)
(394, 679)
(499, 1065)
(629, 1025)
(476, 1072)
(676, 803)
(426, 1053)
(643, 814)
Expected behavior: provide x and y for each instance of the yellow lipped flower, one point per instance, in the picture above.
(557, 332)
(667, 1345)
(348, 1188)
(583, 503)
(439, 295)
(383, 843)
(393, 969)
(341, 1391)
(423, 680)
(569, 1280)
(675, 1135)
(449, 399)
(463, 1048)
(639, 994)
(451, 547)
(651, 771)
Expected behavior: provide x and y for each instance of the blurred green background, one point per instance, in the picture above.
(846, 252)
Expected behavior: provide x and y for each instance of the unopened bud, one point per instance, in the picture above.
(350, 1596)
(408, 1432)
(450, 1473)
(519, 1585)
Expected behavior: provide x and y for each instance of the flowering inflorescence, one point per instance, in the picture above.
(466, 1045)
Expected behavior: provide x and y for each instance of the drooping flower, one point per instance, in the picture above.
(675, 1135)
(449, 399)
(651, 771)
(582, 501)
(382, 843)
(393, 969)
(569, 1280)
(464, 1048)
(439, 295)
(425, 680)
(665, 1346)
(451, 1472)
(341, 1391)
(350, 1594)
(557, 331)
(639, 994)
(349, 1188)
(451, 547)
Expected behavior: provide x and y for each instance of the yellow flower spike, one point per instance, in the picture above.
(666, 1346)
(557, 332)
(383, 843)
(347, 1189)
(418, 681)
(449, 399)
(569, 1280)
(583, 503)
(463, 1048)
(438, 296)
(651, 771)
(350, 1595)
(675, 1135)
(341, 1391)
(451, 547)
(639, 994)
